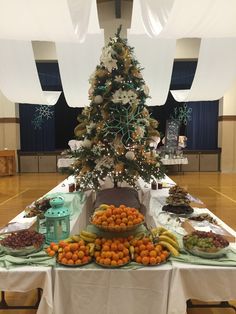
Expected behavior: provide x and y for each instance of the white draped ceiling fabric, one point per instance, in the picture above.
(78, 60)
(211, 20)
(64, 21)
(156, 55)
(19, 80)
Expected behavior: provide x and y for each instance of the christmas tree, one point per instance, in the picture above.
(116, 130)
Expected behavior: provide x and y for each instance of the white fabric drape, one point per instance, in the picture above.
(78, 60)
(215, 73)
(186, 18)
(54, 20)
(19, 80)
(156, 56)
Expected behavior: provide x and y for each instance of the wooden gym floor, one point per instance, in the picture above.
(216, 190)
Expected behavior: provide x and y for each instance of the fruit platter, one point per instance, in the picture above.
(205, 244)
(146, 249)
(22, 243)
(117, 219)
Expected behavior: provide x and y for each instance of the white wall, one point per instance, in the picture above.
(8, 109)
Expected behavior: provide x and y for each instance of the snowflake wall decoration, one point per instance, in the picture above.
(124, 122)
(182, 114)
(42, 112)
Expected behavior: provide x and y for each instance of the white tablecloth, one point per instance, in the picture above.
(175, 161)
(205, 283)
(26, 278)
(104, 291)
(163, 290)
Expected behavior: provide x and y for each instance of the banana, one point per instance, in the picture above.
(139, 235)
(103, 206)
(87, 239)
(158, 230)
(167, 245)
(91, 248)
(88, 234)
(68, 240)
(76, 238)
(131, 250)
(170, 235)
(175, 244)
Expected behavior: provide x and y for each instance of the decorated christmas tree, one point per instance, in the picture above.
(116, 130)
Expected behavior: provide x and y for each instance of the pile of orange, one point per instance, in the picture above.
(147, 253)
(117, 218)
(114, 252)
(70, 253)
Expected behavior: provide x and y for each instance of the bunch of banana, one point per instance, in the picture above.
(131, 251)
(91, 248)
(101, 207)
(167, 239)
(87, 236)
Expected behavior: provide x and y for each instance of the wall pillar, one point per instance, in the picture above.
(227, 130)
(9, 125)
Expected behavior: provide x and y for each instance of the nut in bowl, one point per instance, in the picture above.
(117, 219)
(205, 244)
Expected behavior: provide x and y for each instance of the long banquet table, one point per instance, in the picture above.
(160, 289)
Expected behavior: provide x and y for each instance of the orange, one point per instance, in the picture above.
(52, 244)
(153, 253)
(55, 247)
(109, 254)
(114, 247)
(158, 259)
(152, 260)
(126, 252)
(52, 253)
(106, 247)
(85, 259)
(113, 263)
(107, 261)
(115, 257)
(120, 262)
(96, 254)
(78, 262)
(74, 257)
(62, 243)
(163, 257)
(70, 262)
(83, 248)
(64, 260)
(121, 255)
(145, 260)
(142, 247)
(74, 246)
(60, 256)
(138, 259)
(150, 247)
(120, 247)
(126, 244)
(66, 248)
(48, 249)
(68, 255)
(98, 241)
(81, 242)
(144, 253)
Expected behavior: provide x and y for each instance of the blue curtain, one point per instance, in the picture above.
(202, 130)
(33, 138)
(41, 137)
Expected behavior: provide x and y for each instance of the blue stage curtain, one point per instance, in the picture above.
(34, 139)
(43, 138)
(202, 130)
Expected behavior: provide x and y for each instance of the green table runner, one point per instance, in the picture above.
(37, 259)
(228, 260)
